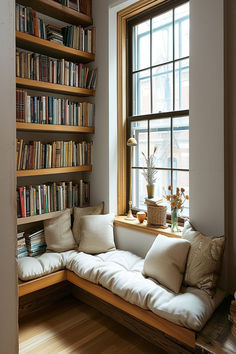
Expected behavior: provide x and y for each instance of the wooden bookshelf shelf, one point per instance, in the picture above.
(52, 171)
(38, 45)
(56, 10)
(36, 218)
(56, 88)
(53, 128)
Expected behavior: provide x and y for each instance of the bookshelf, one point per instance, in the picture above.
(52, 171)
(43, 46)
(53, 128)
(54, 88)
(37, 218)
(60, 12)
(55, 50)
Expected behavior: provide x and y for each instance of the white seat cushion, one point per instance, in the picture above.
(34, 267)
(120, 272)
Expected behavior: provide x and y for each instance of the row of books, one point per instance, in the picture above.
(21, 245)
(51, 110)
(77, 37)
(50, 197)
(36, 155)
(39, 67)
(77, 5)
(27, 21)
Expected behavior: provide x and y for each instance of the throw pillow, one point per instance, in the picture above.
(96, 234)
(166, 260)
(58, 234)
(78, 212)
(204, 259)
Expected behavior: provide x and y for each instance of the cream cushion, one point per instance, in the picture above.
(166, 260)
(58, 234)
(204, 259)
(34, 267)
(96, 233)
(121, 272)
(78, 212)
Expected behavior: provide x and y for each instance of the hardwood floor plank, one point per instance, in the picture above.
(73, 327)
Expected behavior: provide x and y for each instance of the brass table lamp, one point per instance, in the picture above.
(131, 142)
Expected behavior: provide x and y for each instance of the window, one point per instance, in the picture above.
(158, 97)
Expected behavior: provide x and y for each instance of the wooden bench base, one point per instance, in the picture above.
(178, 333)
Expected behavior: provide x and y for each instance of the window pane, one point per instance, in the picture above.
(141, 93)
(141, 46)
(162, 86)
(182, 84)
(139, 191)
(140, 131)
(162, 38)
(182, 31)
(181, 143)
(160, 137)
(181, 180)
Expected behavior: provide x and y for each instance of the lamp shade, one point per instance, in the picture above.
(131, 142)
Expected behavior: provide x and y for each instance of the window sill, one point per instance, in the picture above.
(135, 225)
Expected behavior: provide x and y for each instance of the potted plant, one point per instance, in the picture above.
(176, 202)
(150, 172)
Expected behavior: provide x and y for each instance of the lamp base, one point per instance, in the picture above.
(130, 216)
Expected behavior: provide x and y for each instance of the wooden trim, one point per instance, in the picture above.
(56, 10)
(53, 128)
(122, 17)
(40, 283)
(144, 228)
(181, 334)
(47, 86)
(39, 45)
(52, 171)
(36, 218)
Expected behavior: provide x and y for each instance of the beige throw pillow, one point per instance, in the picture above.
(58, 234)
(78, 212)
(166, 260)
(96, 234)
(204, 259)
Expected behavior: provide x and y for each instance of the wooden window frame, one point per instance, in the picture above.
(122, 88)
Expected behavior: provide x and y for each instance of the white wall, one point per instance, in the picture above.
(8, 302)
(207, 116)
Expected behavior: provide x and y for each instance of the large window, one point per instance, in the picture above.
(158, 97)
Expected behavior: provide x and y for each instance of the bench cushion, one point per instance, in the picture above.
(121, 272)
(34, 267)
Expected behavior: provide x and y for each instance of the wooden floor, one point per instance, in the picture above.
(73, 327)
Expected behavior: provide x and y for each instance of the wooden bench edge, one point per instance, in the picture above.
(181, 334)
(30, 286)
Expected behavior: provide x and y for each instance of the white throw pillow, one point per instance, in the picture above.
(78, 212)
(58, 234)
(96, 234)
(166, 260)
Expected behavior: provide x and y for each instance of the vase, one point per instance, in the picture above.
(174, 220)
(150, 190)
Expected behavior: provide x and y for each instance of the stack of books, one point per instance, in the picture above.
(39, 67)
(54, 34)
(36, 155)
(21, 245)
(52, 110)
(27, 21)
(233, 317)
(50, 197)
(35, 242)
(79, 38)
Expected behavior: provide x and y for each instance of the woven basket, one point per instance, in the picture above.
(156, 215)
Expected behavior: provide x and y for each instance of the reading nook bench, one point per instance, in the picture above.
(118, 283)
